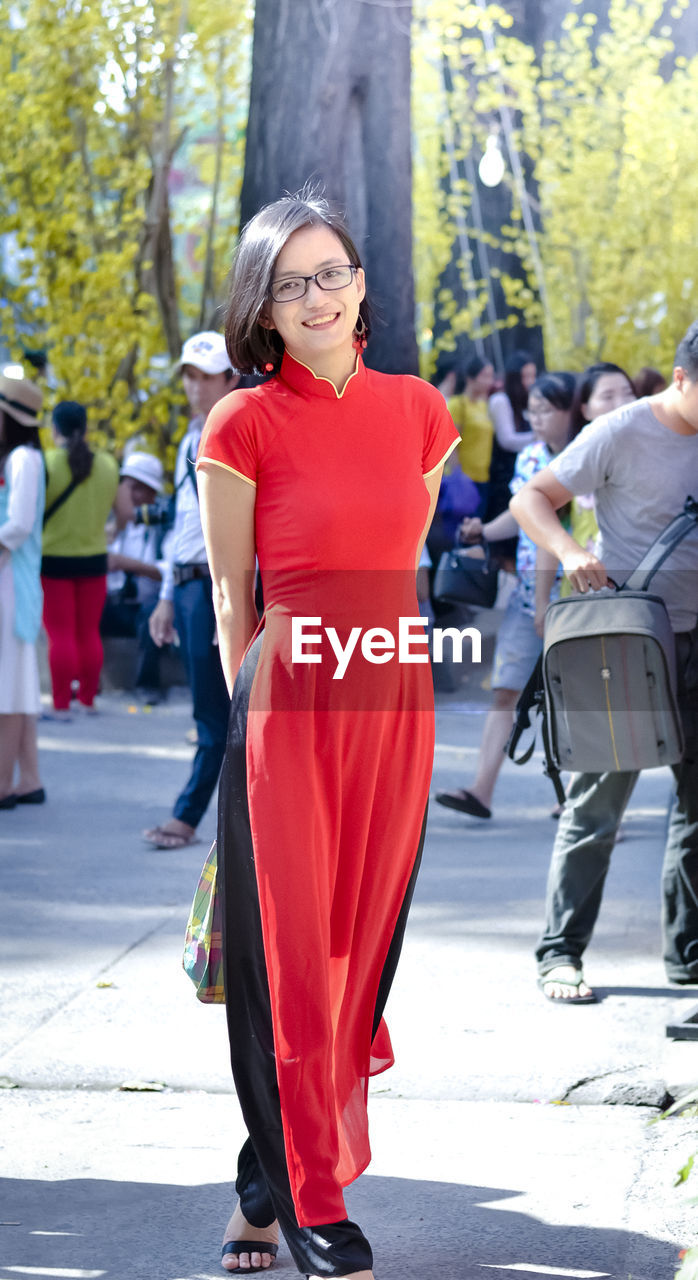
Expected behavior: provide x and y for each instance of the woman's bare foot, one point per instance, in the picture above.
(240, 1229)
(173, 834)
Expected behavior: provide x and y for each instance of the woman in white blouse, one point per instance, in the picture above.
(22, 488)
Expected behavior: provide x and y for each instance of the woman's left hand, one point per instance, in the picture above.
(470, 529)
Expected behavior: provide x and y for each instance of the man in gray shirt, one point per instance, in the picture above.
(641, 463)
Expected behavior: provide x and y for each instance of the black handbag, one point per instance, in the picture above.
(462, 578)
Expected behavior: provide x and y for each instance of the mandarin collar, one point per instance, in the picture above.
(302, 379)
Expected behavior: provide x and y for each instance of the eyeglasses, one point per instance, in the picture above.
(294, 287)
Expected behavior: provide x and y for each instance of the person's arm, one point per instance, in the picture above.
(127, 564)
(471, 529)
(546, 573)
(227, 516)
(23, 474)
(502, 416)
(161, 621)
(535, 508)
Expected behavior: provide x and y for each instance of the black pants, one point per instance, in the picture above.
(334, 1249)
(129, 618)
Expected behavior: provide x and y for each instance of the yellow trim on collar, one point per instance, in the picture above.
(319, 378)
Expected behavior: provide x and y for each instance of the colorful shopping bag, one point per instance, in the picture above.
(203, 954)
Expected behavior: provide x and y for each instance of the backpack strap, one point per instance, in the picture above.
(58, 502)
(550, 769)
(662, 547)
(532, 699)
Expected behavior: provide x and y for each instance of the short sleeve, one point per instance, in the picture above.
(531, 460)
(585, 465)
(440, 435)
(229, 438)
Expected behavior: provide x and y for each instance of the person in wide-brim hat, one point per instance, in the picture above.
(21, 399)
(21, 510)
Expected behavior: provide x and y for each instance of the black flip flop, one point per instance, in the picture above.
(464, 802)
(249, 1246)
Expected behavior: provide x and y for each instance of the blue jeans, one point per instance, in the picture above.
(586, 835)
(195, 624)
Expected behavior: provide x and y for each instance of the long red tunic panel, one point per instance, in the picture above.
(338, 769)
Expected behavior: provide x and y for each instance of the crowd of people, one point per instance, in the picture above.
(568, 476)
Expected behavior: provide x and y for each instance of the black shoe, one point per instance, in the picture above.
(464, 802)
(32, 797)
(8, 802)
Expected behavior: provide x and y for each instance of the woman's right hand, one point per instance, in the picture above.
(470, 529)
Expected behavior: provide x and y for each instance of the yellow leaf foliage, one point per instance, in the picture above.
(84, 128)
(601, 121)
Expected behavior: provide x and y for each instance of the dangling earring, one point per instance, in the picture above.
(360, 343)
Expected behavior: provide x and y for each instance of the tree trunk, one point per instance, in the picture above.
(330, 103)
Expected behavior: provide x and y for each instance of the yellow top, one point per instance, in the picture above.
(473, 421)
(584, 530)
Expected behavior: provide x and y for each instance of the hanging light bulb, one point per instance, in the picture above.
(491, 166)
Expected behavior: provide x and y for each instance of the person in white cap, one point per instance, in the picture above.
(134, 565)
(185, 607)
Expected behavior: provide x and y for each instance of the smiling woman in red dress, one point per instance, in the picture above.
(328, 473)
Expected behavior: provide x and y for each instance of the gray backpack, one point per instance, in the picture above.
(605, 683)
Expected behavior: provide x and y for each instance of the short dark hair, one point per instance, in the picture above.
(585, 390)
(250, 345)
(557, 388)
(687, 352)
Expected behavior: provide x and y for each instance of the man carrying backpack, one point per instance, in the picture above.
(641, 463)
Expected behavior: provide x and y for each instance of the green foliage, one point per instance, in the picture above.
(602, 121)
(684, 1173)
(97, 102)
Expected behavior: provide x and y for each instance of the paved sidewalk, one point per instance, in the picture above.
(491, 1157)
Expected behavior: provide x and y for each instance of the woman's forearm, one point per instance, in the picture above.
(503, 526)
(236, 620)
(227, 504)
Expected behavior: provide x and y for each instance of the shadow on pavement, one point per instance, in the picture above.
(673, 993)
(91, 1228)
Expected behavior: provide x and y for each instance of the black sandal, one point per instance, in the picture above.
(464, 802)
(249, 1246)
